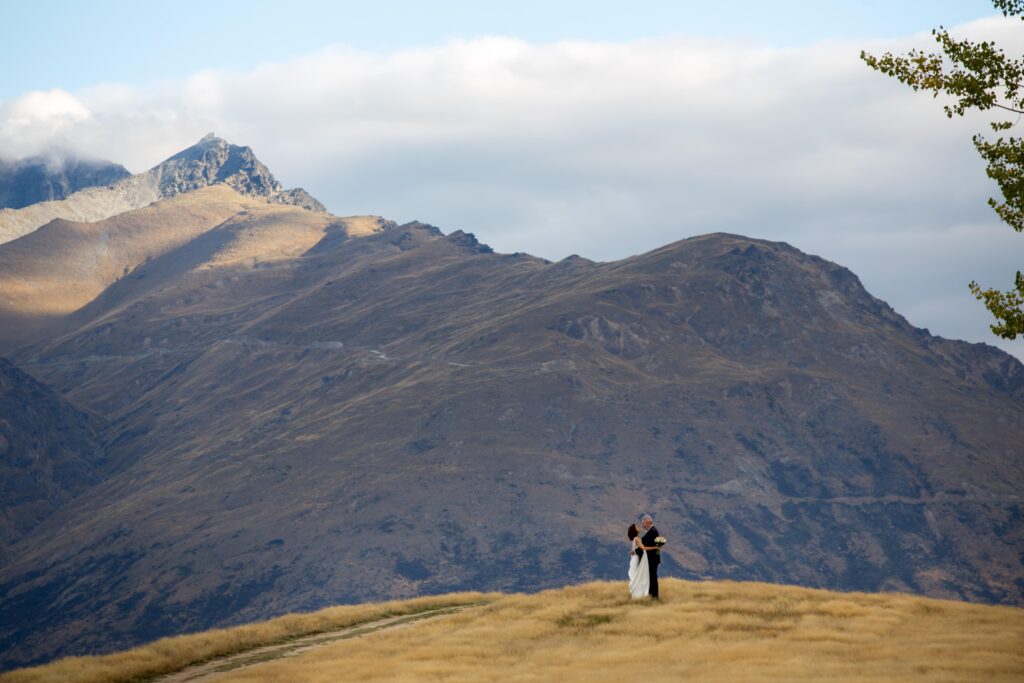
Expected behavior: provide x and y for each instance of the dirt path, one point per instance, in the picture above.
(211, 670)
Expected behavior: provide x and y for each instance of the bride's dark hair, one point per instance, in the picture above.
(632, 532)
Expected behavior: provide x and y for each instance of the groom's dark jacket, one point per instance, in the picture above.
(653, 556)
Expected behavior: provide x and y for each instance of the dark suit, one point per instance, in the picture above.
(653, 558)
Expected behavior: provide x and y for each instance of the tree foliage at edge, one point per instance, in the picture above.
(979, 76)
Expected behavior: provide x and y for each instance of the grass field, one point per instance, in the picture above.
(172, 654)
(721, 631)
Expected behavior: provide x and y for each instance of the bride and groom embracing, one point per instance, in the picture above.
(644, 558)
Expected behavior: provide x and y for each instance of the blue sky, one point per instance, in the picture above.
(71, 45)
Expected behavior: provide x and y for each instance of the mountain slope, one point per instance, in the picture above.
(211, 161)
(406, 413)
(59, 268)
(40, 179)
(49, 452)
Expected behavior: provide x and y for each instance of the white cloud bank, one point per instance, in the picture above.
(601, 149)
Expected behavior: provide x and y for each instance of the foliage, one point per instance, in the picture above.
(979, 76)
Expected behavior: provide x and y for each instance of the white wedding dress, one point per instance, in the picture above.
(639, 576)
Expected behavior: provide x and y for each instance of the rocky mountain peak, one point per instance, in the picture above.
(214, 160)
(468, 241)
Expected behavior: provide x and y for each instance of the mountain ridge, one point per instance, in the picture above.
(64, 265)
(52, 177)
(210, 161)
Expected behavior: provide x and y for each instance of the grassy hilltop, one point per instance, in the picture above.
(720, 631)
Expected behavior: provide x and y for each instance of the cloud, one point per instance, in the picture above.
(602, 149)
(39, 121)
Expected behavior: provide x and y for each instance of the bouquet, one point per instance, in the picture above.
(660, 541)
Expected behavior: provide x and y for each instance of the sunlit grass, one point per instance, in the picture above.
(720, 631)
(699, 632)
(172, 654)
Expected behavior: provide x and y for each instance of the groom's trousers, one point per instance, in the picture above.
(653, 569)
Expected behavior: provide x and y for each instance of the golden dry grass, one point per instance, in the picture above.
(274, 232)
(700, 632)
(173, 654)
(721, 631)
(65, 265)
(361, 226)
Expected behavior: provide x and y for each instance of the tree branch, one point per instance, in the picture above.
(1003, 106)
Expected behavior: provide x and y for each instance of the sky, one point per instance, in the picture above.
(71, 45)
(596, 128)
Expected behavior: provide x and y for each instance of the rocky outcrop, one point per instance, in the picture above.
(211, 161)
(298, 197)
(214, 160)
(46, 178)
(469, 242)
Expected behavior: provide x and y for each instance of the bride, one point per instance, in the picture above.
(639, 574)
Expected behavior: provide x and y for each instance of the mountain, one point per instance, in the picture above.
(49, 452)
(211, 161)
(65, 273)
(46, 178)
(48, 274)
(215, 161)
(308, 410)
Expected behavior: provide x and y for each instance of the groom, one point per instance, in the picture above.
(653, 556)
